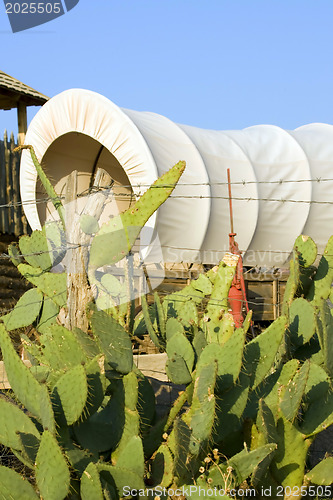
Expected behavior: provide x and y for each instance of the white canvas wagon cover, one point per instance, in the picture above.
(280, 179)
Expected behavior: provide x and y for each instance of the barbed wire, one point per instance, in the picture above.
(94, 189)
(232, 183)
(235, 198)
(250, 198)
(243, 182)
(59, 250)
(39, 201)
(73, 246)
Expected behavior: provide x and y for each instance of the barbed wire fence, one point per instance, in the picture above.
(114, 195)
(88, 192)
(165, 390)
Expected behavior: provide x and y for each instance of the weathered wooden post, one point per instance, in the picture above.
(79, 293)
(22, 122)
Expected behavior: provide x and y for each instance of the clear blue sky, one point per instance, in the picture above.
(217, 64)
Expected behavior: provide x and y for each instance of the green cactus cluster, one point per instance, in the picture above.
(273, 393)
(84, 419)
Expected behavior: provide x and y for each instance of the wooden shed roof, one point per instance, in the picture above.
(12, 91)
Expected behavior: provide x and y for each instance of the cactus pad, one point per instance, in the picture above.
(246, 462)
(322, 473)
(307, 250)
(23, 383)
(177, 370)
(111, 284)
(294, 393)
(91, 487)
(61, 348)
(180, 345)
(131, 456)
(291, 449)
(120, 477)
(52, 473)
(36, 251)
(52, 284)
(89, 224)
(302, 321)
(321, 285)
(162, 467)
(261, 351)
(50, 311)
(14, 487)
(113, 341)
(25, 311)
(69, 395)
(14, 423)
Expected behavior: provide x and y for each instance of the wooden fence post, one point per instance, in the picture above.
(79, 293)
(7, 184)
(16, 210)
(12, 217)
(3, 198)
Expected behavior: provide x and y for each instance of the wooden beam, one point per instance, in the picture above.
(9, 99)
(22, 121)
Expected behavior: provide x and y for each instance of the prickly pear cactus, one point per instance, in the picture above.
(84, 421)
